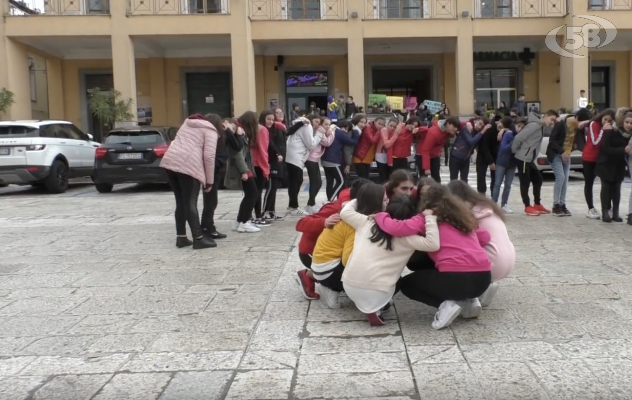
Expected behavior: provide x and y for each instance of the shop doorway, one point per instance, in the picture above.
(600, 87)
(495, 85)
(403, 82)
(97, 128)
(208, 92)
(303, 88)
(493, 97)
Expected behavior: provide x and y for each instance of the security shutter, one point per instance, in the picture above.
(209, 93)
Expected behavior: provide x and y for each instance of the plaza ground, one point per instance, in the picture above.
(97, 303)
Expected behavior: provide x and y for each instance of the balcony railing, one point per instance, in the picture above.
(409, 9)
(519, 8)
(59, 7)
(293, 10)
(598, 5)
(174, 7)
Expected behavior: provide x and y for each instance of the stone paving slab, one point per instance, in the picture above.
(97, 303)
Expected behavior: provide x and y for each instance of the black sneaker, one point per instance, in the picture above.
(215, 235)
(203, 243)
(273, 216)
(183, 242)
(566, 211)
(261, 223)
(558, 211)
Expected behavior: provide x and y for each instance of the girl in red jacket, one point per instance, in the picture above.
(594, 134)
(384, 148)
(261, 163)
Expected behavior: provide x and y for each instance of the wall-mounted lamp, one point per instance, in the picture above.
(354, 15)
(465, 14)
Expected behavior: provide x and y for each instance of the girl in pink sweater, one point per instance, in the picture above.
(500, 250)
(453, 277)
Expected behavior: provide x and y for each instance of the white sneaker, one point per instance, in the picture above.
(312, 209)
(235, 225)
(470, 308)
(331, 297)
(507, 210)
(593, 214)
(248, 228)
(486, 298)
(447, 312)
(297, 212)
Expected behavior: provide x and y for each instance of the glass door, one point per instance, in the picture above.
(493, 97)
(600, 87)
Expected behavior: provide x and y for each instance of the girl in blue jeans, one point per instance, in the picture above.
(505, 162)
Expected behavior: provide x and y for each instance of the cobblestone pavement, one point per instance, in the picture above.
(97, 303)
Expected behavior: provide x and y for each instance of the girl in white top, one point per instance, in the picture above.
(378, 259)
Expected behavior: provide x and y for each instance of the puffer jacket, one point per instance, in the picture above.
(368, 139)
(193, 150)
(402, 147)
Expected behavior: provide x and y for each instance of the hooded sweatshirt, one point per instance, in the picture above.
(300, 144)
(193, 151)
(526, 144)
(434, 143)
(500, 250)
(318, 151)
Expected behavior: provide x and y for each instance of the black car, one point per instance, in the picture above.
(132, 155)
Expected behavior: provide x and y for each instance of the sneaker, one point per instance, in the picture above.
(235, 225)
(531, 211)
(312, 209)
(386, 308)
(447, 312)
(247, 227)
(183, 242)
(331, 297)
(507, 210)
(272, 216)
(593, 214)
(470, 308)
(203, 243)
(488, 295)
(215, 235)
(306, 285)
(375, 319)
(260, 223)
(567, 212)
(541, 209)
(558, 211)
(297, 212)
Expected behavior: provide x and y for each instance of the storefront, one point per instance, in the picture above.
(303, 88)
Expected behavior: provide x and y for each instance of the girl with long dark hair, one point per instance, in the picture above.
(276, 158)
(594, 140)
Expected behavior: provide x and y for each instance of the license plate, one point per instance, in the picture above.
(5, 151)
(130, 156)
(373, 164)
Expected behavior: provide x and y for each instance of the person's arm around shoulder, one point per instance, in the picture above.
(400, 228)
(430, 242)
(345, 139)
(328, 138)
(351, 216)
(210, 149)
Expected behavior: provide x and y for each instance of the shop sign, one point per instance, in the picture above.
(306, 79)
(496, 56)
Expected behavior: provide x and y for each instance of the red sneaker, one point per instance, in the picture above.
(531, 211)
(306, 285)
(375, 319)
(541, 209)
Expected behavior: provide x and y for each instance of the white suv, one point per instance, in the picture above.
(44, 153)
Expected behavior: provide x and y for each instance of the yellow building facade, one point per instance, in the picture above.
(176, 57)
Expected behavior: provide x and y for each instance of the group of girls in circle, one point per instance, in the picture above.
(452, 240)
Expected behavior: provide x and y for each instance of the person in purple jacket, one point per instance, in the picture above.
(463, 147)
(332, 159)
(506, 163)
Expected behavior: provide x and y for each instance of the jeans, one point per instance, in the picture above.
(528, 173)
(589, 180)
(186, 190)
(315, 181)
(507, 175)
(335, 181)
(561, 171)
(294, 182)
(459, 167)
(210, 204)
(248, 202)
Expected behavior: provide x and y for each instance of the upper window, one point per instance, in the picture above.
(496, 8)
(303, 9)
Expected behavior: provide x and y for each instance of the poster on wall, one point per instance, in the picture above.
(410, 103)
(306, 79)
(533, 106)
(210, 99)
(274, 103)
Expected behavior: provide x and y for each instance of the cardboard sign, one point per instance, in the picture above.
(410, 103)
(379, 99)
(210, 99)
(397, 103)
(433, 106)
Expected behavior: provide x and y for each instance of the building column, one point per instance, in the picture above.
(158, 91)
(124, 71)
(574, 71)
(14, 76)
(243, 60)
(54, 75)
(464, 62)
(355, 61)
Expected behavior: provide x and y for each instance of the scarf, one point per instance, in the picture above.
(594, 141)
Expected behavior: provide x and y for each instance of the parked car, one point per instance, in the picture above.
(132, 155)
(543, 164)
(44, 153)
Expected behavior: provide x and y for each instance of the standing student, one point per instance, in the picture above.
(350, 108)
(371, 273)
(294, 112)
(500, 249)
(276, 159)
(486, 157)
(403, 144)
(261, 162)
(452, 278)
(358, 123)
(562, 142)
(526, 147)
(332, 160)
(364, 153)
(299, 145)
(434, 141)
(321, 125)
(463, 147)
(611, 164)
(506, 162)
(595, 131)
(520, 105)
(384, 148)
(341, 109)
(240, 172)
(582, 101)
(190, 163)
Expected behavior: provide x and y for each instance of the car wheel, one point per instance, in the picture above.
(103, 187)
(57, 180)
(38, 184)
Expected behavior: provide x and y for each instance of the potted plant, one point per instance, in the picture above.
(7, 99)
(110, 107)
